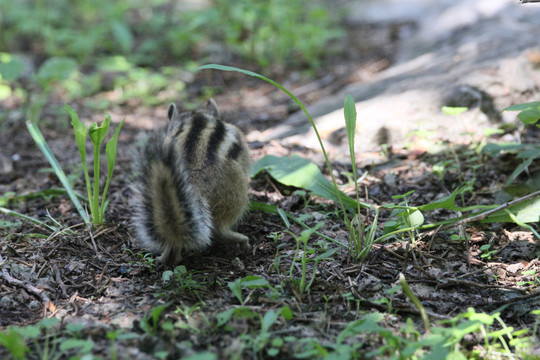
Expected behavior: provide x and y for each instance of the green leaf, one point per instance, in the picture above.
(449, 202)
(56, 68)
(301, 173)
(493, 149)
(84, 346)
(14, 343)
(98, 132)
(237, 312)
(253, 282)
(122, 35)
(350, 121)
(454, 110)
(236, 289)
(269, 319)
(526, 212)
(11, 70)
(5, 91)
(80, 131)
(110, 149)
(535, 105)
(286, 312)
(42, 144)
(404, 219)
(529, 112)
(206, 355)
(521, 168)
(283, 215)
(157, 311)
(529, 116)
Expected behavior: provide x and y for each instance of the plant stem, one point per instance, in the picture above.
(407, 290)
(96, 216)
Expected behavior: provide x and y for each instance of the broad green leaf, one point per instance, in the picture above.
(11, 70)
(269, 319)
(83, 345)
(414, 219)
(157, 311)
(252, 282)
(401, 219)
(286, 312)
(14, 343)
(535, 105)
(526, 212)
(529, 112)
(56, 68)
(236, 289)
(301, 173)
(529, 116)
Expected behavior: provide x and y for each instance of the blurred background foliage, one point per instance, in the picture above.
(146, 40)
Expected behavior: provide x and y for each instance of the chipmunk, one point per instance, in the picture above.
(192, 184)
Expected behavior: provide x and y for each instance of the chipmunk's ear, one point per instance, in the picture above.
(172, 113)
(212, 108)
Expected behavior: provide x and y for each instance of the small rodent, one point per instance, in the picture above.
(191, 185)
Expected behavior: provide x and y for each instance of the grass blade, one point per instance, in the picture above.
(42, 144)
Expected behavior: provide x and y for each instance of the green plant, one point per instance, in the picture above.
(409, 218)
(248, 282)
(147, 258)
(302, 285)
(149, 323)
(182, 280)
(404, 217)
(44, 340)
(486, 252)
(188, 313)
(531, 274)
(275, 31)
(260, 340)
(97, 134)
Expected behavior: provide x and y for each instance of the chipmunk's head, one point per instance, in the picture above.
(176, 117)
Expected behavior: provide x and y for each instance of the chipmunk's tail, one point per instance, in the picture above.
(170, 214)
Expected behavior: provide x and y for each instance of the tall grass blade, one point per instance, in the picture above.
(42, 144)
(295, 99)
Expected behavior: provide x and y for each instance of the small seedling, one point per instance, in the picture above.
(486, 252)
(248, 282)
(97, 134)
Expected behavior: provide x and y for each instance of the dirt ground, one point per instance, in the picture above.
(100, 277)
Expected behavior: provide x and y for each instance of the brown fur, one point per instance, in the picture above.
(200, 158)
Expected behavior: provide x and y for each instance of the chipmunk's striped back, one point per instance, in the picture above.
(193, 183)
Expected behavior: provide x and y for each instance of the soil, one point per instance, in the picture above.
(102, 278)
